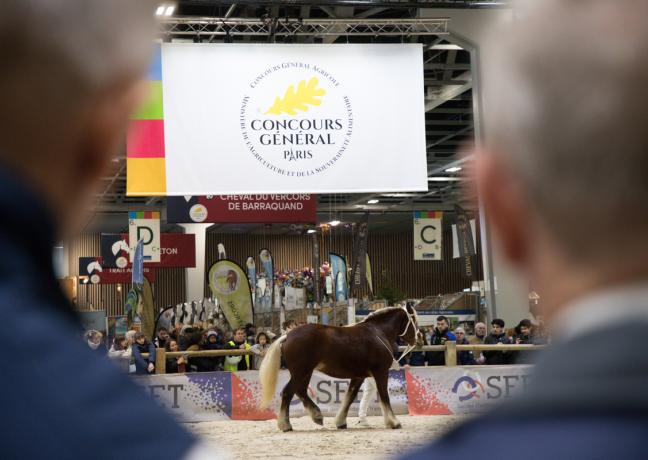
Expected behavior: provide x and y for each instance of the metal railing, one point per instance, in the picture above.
(450, 349)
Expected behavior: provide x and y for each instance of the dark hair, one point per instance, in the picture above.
(117, 342)
(498, 322)
(162, 328)
(193, 338)
(286, 324)
(167, 345)
(525, 323)
(139, 335)
(443, 318)
(264, 335)
(239, 329)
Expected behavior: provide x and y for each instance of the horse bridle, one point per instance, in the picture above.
(408, 348)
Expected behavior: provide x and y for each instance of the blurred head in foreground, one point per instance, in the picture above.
(564, 169)
(69, 77)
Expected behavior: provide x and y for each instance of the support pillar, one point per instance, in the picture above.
(195, 278)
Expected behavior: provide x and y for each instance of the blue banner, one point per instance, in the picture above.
(339, 272)
(138, 263)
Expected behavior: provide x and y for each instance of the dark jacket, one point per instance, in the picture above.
(141, 363)
(61, 394)
(583, 402)
(466, 357)
(437, 358)
(208, 364)
(496, 357)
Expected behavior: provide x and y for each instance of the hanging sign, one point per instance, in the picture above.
(243, 209)
(428, 234)
(145, 226)
(177, 250)
(94, 271)
(282, 119)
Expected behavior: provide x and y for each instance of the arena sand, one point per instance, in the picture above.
(261, 440)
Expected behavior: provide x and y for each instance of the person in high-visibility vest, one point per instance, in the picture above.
(237, 363)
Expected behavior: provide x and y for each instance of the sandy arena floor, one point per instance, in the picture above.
(249, 440)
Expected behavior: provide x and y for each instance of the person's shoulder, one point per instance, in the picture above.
(552, 437)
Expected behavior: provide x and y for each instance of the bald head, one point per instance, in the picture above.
(566, 114)
(68, 76)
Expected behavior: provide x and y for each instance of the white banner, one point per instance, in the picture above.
(428, 237)
(145, 226)
(293, 118)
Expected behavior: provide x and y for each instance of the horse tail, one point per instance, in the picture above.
(269, 372)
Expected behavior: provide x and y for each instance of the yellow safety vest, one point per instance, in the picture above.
(233, 367)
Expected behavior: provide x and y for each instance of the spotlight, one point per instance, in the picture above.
(334, 223)
(373, 201)
(169, 10)
(454, 169)
(311, 230)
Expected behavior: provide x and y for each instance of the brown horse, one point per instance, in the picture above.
(355, 352)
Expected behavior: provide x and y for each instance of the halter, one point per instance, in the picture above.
(408, 348)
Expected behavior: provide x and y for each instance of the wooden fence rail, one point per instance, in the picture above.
(450, 349)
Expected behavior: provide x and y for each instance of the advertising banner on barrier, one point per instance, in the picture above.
(462, 390)
(243, 209)
(94, 270)
(177, 250)
(428, 235)
(283, 119)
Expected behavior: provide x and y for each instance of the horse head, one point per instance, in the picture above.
(411, 333)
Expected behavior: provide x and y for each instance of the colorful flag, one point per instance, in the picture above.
(230, 286)
(339, 272)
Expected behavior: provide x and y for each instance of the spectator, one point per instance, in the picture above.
(237, 363)
(260, 349)
(288, 326)
(120, 348)
(94, 339)
(464, 357)
(143, 366)
(480, 334)
(210, 364)
(440, 336)
(523, 336)
(497, 336)
(250, 333)
(162, 337)
(418, 358)
(192, 338)
(175, 365)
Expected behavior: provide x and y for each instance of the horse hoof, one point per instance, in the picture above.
(285, 427)
(397, 426)
(319, 421)
(285, 430)
(342, 427)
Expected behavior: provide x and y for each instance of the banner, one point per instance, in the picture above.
(230, 286)
(145, 226)
(358, 272)
(339, 273)
(455, 238)
(115, 326)
(147, 310)
(251, 272)
(138, 263)
(93, 320)
(243, 209)
(289, 119)
(466, 243)
(316, 267)
(177, 250)
(92, 269)
(462, 390)
(368, 274)
(428, 235)
(265, 289)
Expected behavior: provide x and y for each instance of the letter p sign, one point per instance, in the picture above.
(145, 226)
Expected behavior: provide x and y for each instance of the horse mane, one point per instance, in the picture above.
(380, 313)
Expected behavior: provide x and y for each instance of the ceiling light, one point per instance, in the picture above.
(399, 195)
(373, 201)
(160, 10)
(334, 223)
(444, 179)
(454, 169)
(445, 47)
(311, 230)
(169, 10)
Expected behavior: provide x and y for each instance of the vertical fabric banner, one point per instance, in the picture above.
(368, 274)
(466, 243)
(221, 251)
(230, 286)
(251, 272)
(145, 226)
(455, 238)
(138, 263)
(316, 266)
(265, 256)
(358, 272)
(428, 234)
(339, 271)
(147, 310)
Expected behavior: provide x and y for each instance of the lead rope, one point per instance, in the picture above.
(408, 348)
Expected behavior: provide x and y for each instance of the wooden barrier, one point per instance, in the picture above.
(450, 349)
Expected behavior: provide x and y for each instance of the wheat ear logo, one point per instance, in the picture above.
(307, 94)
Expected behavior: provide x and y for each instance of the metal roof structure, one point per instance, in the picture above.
(448, 89)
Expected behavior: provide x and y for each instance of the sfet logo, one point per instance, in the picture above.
(496, 386)
(296, 119)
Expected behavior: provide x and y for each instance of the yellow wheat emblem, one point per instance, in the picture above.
(306, 95)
